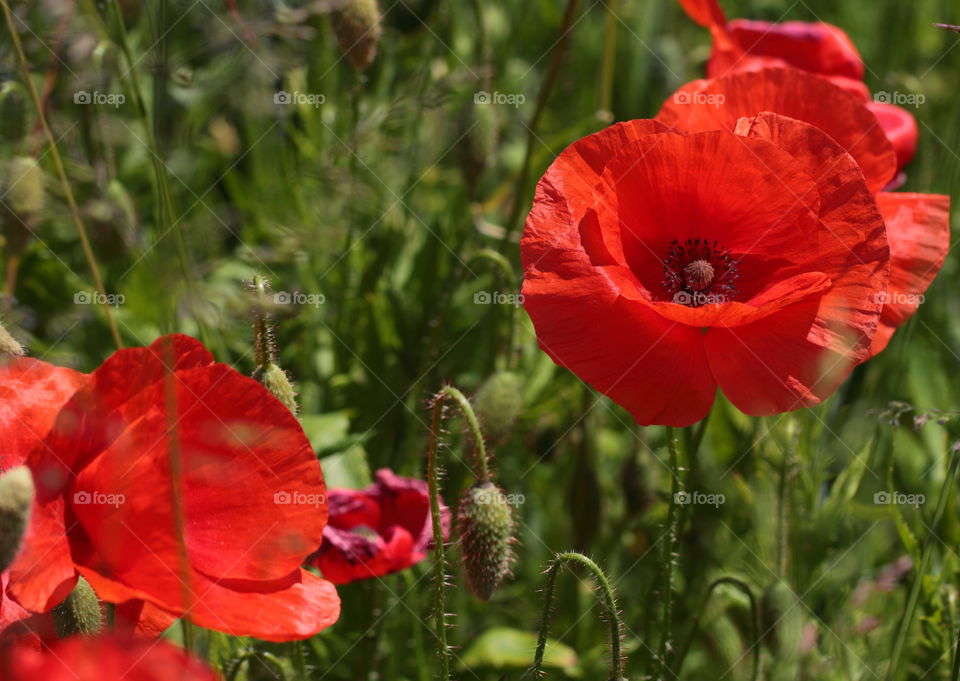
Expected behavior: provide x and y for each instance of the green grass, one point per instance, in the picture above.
(379, 200)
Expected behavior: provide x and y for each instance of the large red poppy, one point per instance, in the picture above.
(817, 47)
(659, 266)
(918, 225)
(175, 486)
(102, 658)
(382, 529)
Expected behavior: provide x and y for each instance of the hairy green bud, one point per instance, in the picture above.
(79, 613)
(499, 402)
(486, 525)
(16, 498)
(275, 379)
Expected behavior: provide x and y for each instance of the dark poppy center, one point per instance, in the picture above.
(699, 272)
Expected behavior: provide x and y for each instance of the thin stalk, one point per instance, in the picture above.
(439, 551)
(911, 608)
(667, 555)
(504, 266)
(543, 95)
(606, 596)
(61, 172)
(742, 586)
(609, 55)
(481, 466)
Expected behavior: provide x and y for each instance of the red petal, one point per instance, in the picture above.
(817, 47)
(704, 12)
(142, 618)
(31, 394)
(796, 94)
(900, 127)
(918, 229)
(43, 573)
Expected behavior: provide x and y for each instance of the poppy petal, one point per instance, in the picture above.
(918, 229)
(720, 103)
(900, 127)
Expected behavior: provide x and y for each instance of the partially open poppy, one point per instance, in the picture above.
(102, 658)
(384, 528)
(918, 225)
(816, 47)
(168, 479)
(659, 266)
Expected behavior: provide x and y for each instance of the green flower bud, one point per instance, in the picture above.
(358, 30)
(79, 613)
(25, 194)
(486, 526)
(16, 498)
(275, 379)
(498, 403)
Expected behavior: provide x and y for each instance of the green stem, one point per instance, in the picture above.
(667, 555)
(439, 551)
(609, 54)
(754, 613)
(62, 173)
(481, 465)
(606, 596)
(911, 608)
(543, 95)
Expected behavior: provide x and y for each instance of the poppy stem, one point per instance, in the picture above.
(439, 551)
(481, 467)
(608, 598)
(668, 554)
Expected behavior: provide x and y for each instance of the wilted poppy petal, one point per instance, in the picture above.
(720, 103)
(918, 229)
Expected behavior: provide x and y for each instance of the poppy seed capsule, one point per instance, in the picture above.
(16, 498)
(79, 613)
(498, 402)
(358, 30)
(485, 523)
(275, 379)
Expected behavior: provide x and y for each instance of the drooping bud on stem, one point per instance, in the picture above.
(357, 26)
(79, 613)
(16, 498)
(486, 526)
(275, 379)
(499, 402)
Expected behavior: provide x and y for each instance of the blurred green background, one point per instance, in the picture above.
(382, 213)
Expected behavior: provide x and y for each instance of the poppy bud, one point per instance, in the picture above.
(9, 347)
(486, 525)
(16, 498)
(781, 620)
(358, 30)
(498, 402)
(275, 379)
(25, 191)
(79, 613)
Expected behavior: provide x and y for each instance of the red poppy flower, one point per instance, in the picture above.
(374, 532)
(820, 48)
(102, 658)
(170, 480)
(918, 225)
(659, 266)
